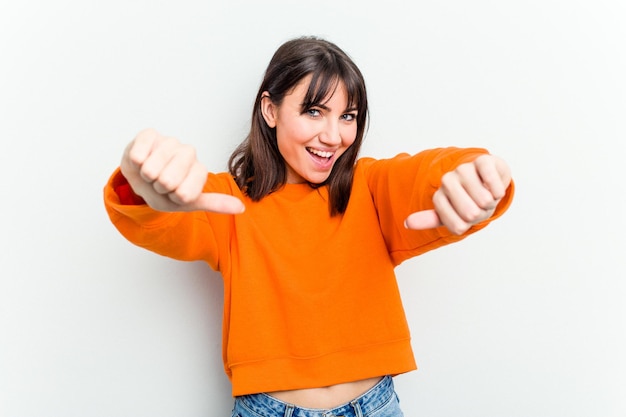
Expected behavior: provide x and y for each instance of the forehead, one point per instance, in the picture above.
(321, 92)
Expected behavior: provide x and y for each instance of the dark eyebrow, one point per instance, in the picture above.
(326, 108)
(309, 106)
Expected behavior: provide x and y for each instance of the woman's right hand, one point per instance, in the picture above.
(169, 177)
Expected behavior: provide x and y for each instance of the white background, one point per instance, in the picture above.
(525, 319)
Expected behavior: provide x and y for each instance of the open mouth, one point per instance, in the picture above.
(320, 154)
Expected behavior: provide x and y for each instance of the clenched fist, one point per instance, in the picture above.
(169, 177)
(468, 195)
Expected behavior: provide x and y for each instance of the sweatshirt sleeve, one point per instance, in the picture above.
(405, 184)
(188, 236)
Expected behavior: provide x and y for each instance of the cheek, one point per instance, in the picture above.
(295, 133)
(348, 135)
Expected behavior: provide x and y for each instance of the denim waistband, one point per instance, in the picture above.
(373, 399)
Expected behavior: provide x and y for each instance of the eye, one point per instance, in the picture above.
(313, 112)
(348, 117)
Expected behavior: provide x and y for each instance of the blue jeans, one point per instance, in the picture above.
(380, 401)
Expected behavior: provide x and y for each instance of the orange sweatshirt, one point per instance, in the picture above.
(309, 300)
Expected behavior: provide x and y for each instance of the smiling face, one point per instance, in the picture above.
(311, 138)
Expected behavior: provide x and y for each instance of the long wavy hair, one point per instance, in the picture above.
(256, 164)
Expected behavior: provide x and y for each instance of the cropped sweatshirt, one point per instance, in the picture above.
(310, 300)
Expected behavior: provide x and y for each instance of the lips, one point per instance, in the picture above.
(321, 154)
(323, 159)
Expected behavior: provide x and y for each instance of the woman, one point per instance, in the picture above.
(306, 236)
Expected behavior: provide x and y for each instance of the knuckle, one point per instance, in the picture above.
(184, 196)
(133, 152)
(167, 184)
(169, 143)
(465, 170)
(471, 213)
(488, 204)
(148, 174)
(174, 198)
(459, 228)
(466, 167)
(147, 137)
(188, 150)
(448, 179)
(485, 200)
(467, 209)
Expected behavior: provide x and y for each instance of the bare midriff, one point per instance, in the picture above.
(326, 397)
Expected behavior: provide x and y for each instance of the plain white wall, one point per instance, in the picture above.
(526, 318)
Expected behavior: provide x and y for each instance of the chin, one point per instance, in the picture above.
(317, 179)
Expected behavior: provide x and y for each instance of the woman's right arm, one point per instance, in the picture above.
(157, 199)
(167, 175)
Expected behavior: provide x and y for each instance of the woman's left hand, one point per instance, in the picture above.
(467, 195)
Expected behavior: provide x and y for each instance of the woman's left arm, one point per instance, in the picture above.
(436, 197)
(468, 195)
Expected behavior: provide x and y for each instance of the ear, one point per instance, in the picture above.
(268, 109)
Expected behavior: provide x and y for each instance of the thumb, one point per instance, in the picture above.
(218, 203)
(422, 220)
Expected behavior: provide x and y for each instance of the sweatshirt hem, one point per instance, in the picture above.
(287, 373)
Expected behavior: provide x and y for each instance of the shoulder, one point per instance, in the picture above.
(222, 182)
(445, 157)
(366, 166)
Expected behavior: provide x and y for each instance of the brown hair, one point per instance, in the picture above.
(257, 165)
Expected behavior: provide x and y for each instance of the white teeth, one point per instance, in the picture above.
(320, 153)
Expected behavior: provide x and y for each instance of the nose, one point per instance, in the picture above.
(331, 134)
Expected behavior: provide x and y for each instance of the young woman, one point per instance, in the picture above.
(307, 236)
